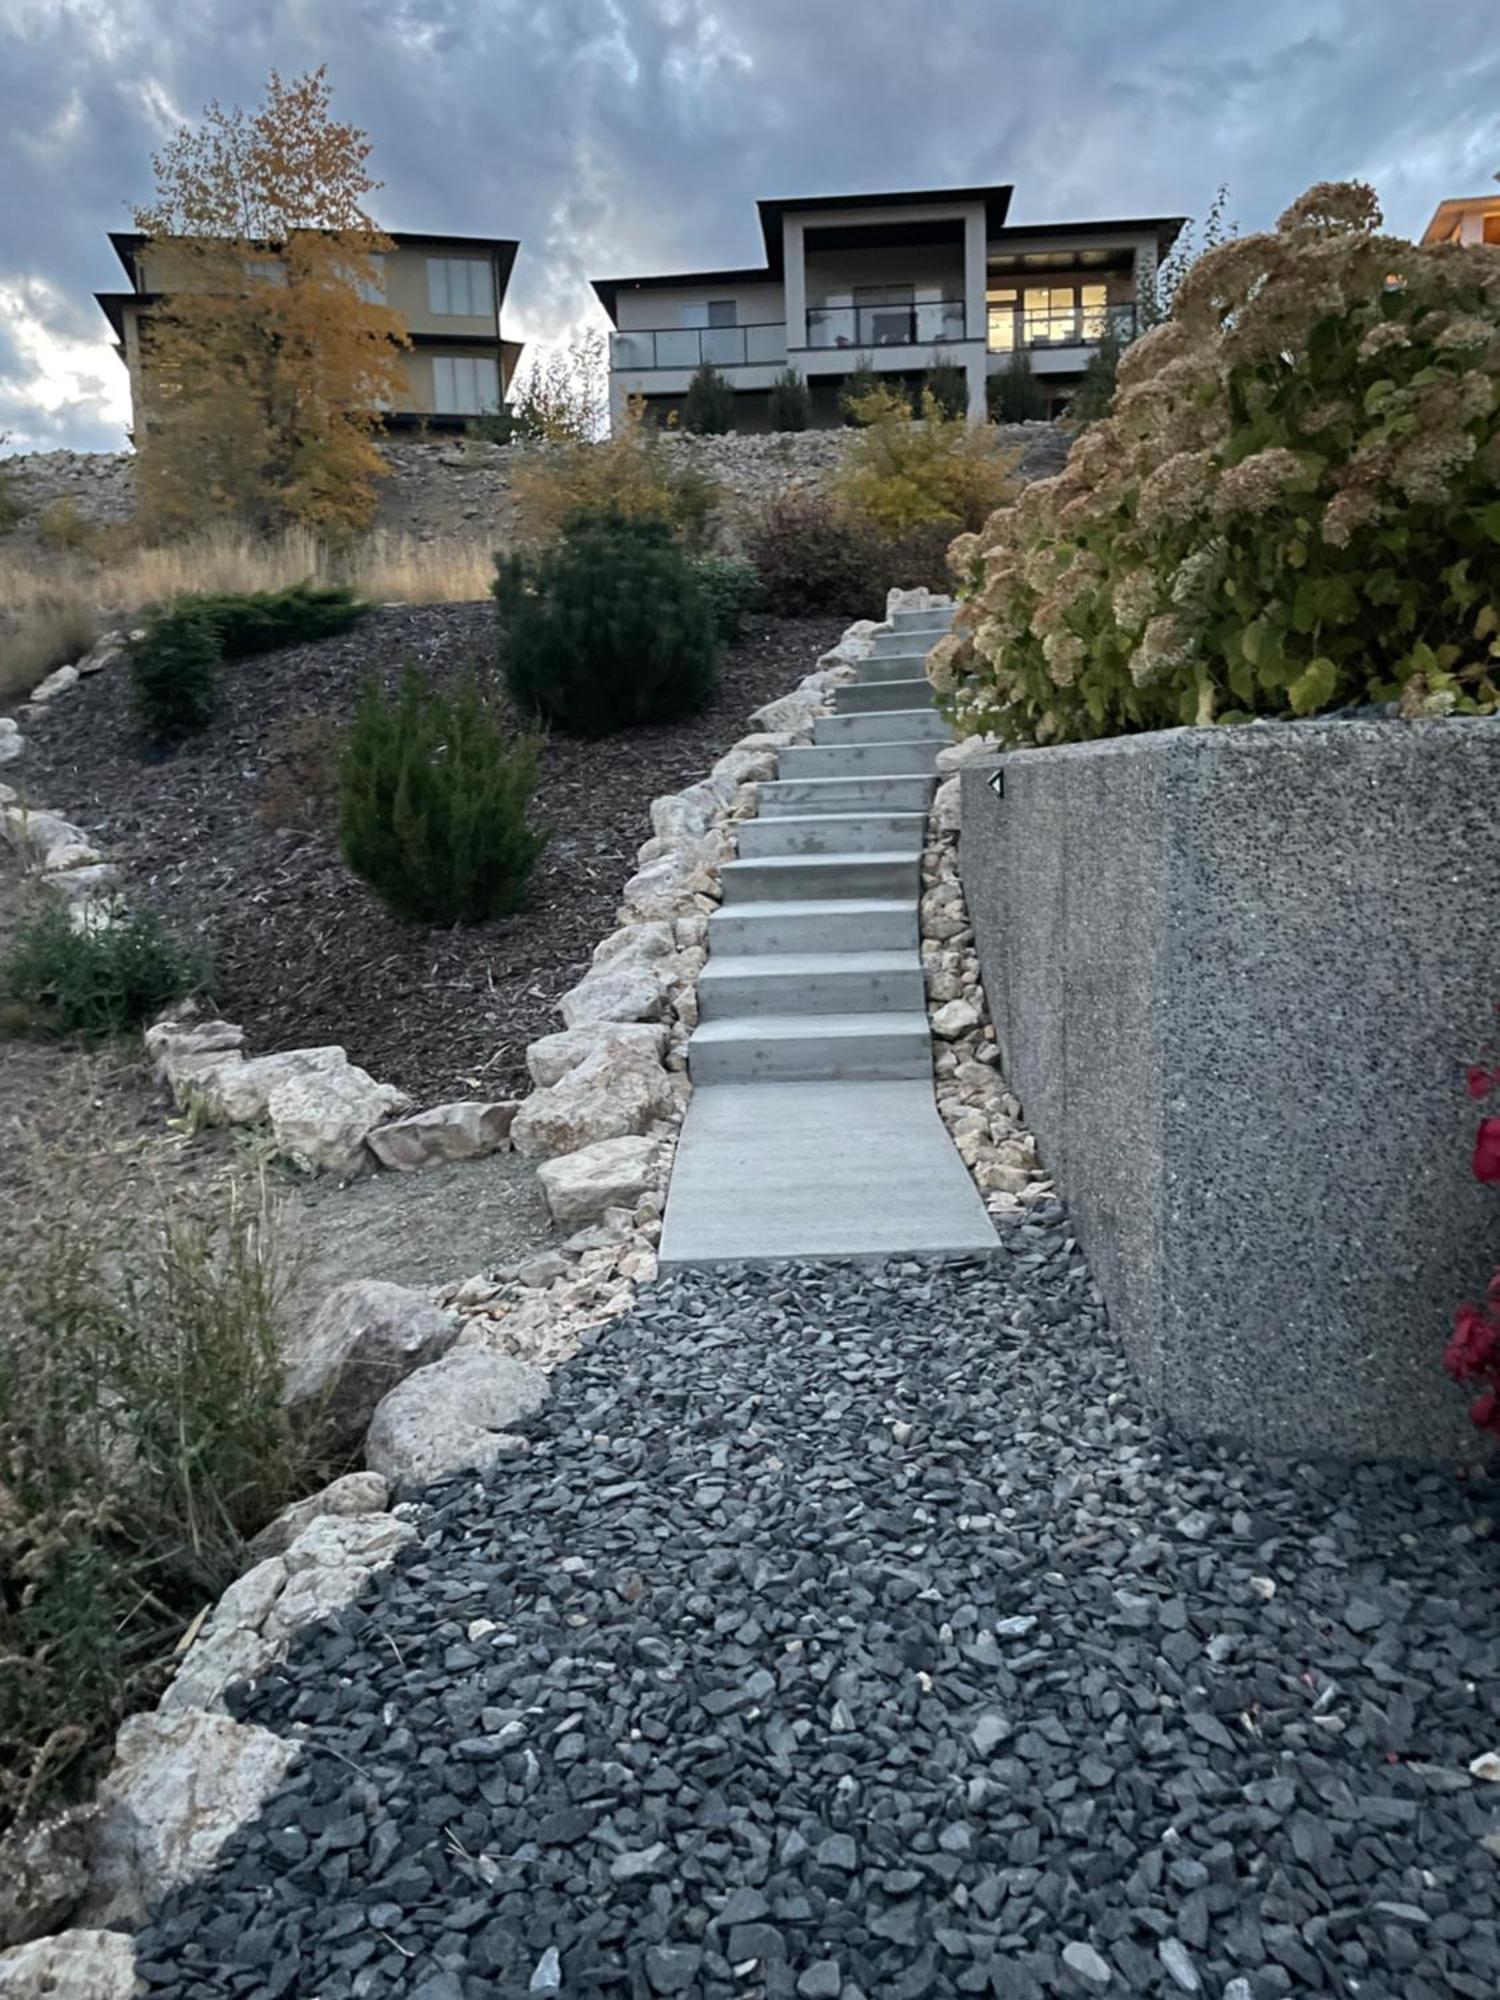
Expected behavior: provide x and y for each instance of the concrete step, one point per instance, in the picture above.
(833, 833)
(938, 615)
(810, 982)
(786, 1048)
(783, 878)
(861, 697)
(885, 725)
(906, 640)
(906, 666)
(798, 796)
(855, 924)
(858, 760)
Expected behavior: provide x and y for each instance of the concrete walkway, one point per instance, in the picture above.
(813, 1130)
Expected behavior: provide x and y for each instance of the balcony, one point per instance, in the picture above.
(904, 323)
(640, 350)
(1011, 327)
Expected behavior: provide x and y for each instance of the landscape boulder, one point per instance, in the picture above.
(227, 1088)
(321, 1119)
(53, 684)
(616, 1089)
(181, 1784)
(459, 1415)
(48, 841)
(43, 1872)
(634, 944)
(362, 1340)
(580, 1186)
(945, 806)
(665, 884)
(73, 1965)
(12, 742)
(624, 992)
(793, 714)
(465, 1130)
(352, 1493)
(689, 815)
(550, 1058)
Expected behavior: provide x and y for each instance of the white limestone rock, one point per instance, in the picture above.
(667, 885)
(106, 651)
(182, 1782)
(793, 713)
(56, 683)
(633, 991)
(350, 1494)
(580, 1186)
(364, 1338)
(955, 1018)
(43, 1872)
(920, 598)
(634, 944)
(968, 750)
(73, 1965)
(945, 806)
(47, 841)
(12, 742)
(740, 766)
(616, 1089)
(459, 1415)
(227, 1088)
(688, 815)
(322, 1118)
(465, 1130)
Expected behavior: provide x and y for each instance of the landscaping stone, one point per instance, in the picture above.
(665, 885)
(550, 1059)
(182, 1784)
(468, 1129)
(364, 1338)
(43, 1872)
(47, 841)
(617, 1088)
(688, 815)
(321, 1118)
(224, 1087)
(628, 992)
(696, 1681)
(580, 1186)
(12, 742)
(53, 684)
(352, 1493)
(459, 1415)
(73, 1965)
(634, 944)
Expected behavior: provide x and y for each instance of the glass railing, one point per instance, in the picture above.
(1079, 326)
(692, 346)
(903, 325)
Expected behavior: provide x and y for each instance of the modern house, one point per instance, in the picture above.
(902, 283)
(1473, 218)
(448, 289)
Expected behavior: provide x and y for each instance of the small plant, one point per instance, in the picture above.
(261, 621)
(810, 560)
(948, 387)
(11, 510)
(1095, 394)
(633, 474)
(434, 800)
(732, 588)
(608, 630)
(61, 526)
(789, 406)
(860, 382)
(708, 406)
(101, 979)
(174, 669)
(1013, 393)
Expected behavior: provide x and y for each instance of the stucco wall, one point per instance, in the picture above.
(1236, 974)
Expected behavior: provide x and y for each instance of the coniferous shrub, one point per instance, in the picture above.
(606, 630)
(99, 980)
(434, 794)
(708, 406)
(1013, 393)
(948, 386)
(259, 621)
(174, 671)
(789, 406)
(858, 384)
(733, 589)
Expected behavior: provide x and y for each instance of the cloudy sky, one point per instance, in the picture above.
(615, 136)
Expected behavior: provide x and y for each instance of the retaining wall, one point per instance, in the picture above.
(1236, 974)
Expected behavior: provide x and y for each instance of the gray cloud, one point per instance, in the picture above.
(621, 135)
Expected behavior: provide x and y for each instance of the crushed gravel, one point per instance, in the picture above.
(852, 1633)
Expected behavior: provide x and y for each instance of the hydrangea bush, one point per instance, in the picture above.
(1294, 505)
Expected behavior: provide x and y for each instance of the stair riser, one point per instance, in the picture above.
(785, 796)
(877, 1059)
(860, 697)
(734, 932)
(906, 641)
(933, 619)
(858, 760)
(884, 726)
(728, 996)
(878, 833)
(891, 667)
(878, 875)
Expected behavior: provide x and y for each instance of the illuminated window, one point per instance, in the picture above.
(1001, 307)
(1048, 314)
(1094, 301)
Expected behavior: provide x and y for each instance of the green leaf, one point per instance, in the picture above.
(1314, 686)
(1489, 520)
(1242, 680)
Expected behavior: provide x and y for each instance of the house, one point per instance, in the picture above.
(448, 289)
(900, 282)
(1473, 218)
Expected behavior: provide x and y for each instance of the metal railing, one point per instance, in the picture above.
(905, 324)
(691, 346)
(1080, 326)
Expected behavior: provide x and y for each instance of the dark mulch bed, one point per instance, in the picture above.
(303, 952)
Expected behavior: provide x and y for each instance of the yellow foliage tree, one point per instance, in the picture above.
(269, 354)
(904, 472)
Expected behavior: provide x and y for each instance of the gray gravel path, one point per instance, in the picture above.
(851, 1634)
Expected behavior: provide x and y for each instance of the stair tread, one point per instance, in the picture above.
(806, 964)
(802, 1027)
(813, 906)
(833, 818)
(783, 863)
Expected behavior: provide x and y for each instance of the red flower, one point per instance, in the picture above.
(1487, 1150)
(1484, 1412)
(1480, 1081)
(1475, 1344)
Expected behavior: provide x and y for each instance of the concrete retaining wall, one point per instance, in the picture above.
(1236, 974)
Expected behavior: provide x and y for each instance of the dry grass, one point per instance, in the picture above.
(53, 633)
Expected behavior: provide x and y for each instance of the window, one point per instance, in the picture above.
(885, 314)
(1001, 305)
(465, 385)
(372, 288)
(710, 312)
(1049, 314)
(1094, 301)
(266, 270)
(460, 285)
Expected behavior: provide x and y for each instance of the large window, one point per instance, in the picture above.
(460, 285)
(710, 312)
(1000, 304)
(465, 385)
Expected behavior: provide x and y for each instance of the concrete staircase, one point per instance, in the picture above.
(812, 997)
